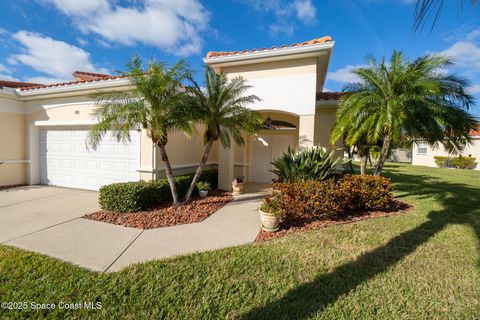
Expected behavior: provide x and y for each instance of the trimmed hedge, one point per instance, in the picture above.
(141, 195)
(349, 195)
(455, 162)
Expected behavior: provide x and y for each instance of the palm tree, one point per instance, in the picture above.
(403, 101)
(221, 109)
(424, 8)
(156, 103)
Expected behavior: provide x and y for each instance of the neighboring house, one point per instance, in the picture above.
(400, 155)
(43, 127)
(424, 155)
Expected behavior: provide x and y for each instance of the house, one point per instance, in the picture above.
(424, 154)
(43, 127)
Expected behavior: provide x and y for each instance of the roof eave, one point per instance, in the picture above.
(274, 53)
(8, 93)
(326, 103)
(74, 88)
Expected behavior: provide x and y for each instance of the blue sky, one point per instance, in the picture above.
(46, 40)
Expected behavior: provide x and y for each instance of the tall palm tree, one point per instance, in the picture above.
(403, 101)
(156, 103)
(221, 109)
(425, 8)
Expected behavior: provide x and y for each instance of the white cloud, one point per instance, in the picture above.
(305, 10)
(6, 73)
(46, 80)
(80, 7)
(56, 59)
(82, 41)
(4, 69)
(344, 75)
(7, 77)
(175, 26)
(474, 89)
(281, 28)
(285, 13)
(465, 54)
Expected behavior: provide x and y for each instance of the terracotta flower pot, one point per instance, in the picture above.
(269, 221)
(238, 187)
(203, 193)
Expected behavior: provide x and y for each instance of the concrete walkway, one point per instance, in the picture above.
(101, 246)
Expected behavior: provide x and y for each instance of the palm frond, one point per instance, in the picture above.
(432, 9)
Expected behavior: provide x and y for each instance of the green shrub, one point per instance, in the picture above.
(464, 162)
(330, 198)
(141, 195)
(443, 162)
(459, 162)
(314, 163)
(204, 185)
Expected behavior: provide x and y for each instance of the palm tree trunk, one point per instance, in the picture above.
(383, 156)
(169, 174)
(199, 171)
(350, 156)
(363, 165)
(363, 160)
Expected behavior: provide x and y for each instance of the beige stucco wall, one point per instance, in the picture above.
(12, 148)
(428, 159)
(287, 86)
(12, 174)
(325, 117)
(324, 120)
(185, 153)
(273, 69)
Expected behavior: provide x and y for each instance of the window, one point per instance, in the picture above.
(422, 148)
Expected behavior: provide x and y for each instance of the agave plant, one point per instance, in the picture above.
(311, 164)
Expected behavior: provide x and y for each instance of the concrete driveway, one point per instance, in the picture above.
(49, 220)
(30, 209)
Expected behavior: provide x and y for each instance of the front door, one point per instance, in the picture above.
(264, 149)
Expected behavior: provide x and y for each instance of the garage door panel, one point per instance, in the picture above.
(65, 159)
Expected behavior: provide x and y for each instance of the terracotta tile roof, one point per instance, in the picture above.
(475, 132)
(328, 95)
(214, 54)
(61, 84)
(17, 84)
(83, 75)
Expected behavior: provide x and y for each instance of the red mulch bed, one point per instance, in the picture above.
(166, 215)
(301, 225)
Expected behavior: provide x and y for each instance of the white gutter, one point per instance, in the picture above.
(65, 123)
(8, 93)
(277, 52)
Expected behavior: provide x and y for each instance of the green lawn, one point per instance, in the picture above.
(419, 265)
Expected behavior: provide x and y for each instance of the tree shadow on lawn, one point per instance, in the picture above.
(460, 204)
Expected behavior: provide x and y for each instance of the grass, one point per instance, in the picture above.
(420, 265)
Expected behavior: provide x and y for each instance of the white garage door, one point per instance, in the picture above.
(66, 161)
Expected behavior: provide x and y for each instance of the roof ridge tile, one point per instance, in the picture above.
(216, 54)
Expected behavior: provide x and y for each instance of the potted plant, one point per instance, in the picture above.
(203, 188)
(238, 185)
(270, 212)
